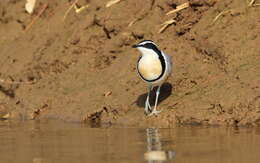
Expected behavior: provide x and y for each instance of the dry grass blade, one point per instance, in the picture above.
(6, 116)
(80, 9)
(251, 3)
(107, 93)
(179, 8)
(29, 6)
(68, 10)
(112, 2)
(220, 14)
(132, 22)
(76, 8)
(166, 24)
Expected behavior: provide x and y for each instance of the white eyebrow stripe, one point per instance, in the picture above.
(146, 42)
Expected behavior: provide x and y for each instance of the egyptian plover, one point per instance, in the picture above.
(154, 67)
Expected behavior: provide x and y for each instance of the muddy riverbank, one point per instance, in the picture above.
(81, 67)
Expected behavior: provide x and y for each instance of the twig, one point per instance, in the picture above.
(166, 24)
(179, 8)
(45, 6)
(112, 2)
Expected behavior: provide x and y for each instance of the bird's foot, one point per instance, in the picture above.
(146, 111)
(155, 112)
(148, 108)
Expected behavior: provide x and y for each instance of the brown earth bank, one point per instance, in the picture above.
(80, 67)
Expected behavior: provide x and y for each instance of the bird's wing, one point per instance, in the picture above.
(169, 62)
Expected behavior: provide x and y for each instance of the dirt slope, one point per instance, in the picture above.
(81, 67)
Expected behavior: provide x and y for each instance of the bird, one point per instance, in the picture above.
(153, 67)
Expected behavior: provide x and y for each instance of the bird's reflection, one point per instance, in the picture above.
(155, 152)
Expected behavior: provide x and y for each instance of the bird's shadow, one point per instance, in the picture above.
(165, 92)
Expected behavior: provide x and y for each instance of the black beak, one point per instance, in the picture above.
(134, 46)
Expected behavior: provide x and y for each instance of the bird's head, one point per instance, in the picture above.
(147, 47)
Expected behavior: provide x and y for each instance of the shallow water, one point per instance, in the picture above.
(53, 141)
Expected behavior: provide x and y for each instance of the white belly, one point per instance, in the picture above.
(150, 68)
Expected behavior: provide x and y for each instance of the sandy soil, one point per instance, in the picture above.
(81, 68)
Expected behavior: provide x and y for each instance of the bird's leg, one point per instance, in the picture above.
(154, 111)
(148, 108)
